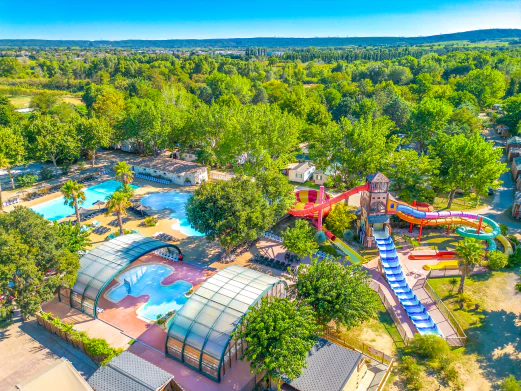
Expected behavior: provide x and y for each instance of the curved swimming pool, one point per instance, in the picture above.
(57, 209)
(174, 201)
(147, 280)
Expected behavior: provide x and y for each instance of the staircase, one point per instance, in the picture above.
(394, 274)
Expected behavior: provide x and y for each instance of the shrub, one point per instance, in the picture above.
(26, 180)
(150, 221)
(411, 372)
(46, 173)
(82, 165)
(510, 384)
(66, 168)
(497, 260)
(518, 286)
(430, 346)
(97, 346)
(514, 259)
(504, 229)
(339, 219)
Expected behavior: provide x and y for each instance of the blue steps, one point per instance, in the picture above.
(396, 279)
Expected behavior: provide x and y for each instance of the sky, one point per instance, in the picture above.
(198, 19)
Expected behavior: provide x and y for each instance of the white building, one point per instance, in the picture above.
(180, 172)
(301, 173)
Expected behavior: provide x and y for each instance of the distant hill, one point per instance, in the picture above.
(264, 42)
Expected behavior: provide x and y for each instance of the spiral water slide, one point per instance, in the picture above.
(310, 207)
(468, 222)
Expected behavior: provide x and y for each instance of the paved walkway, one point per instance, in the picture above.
(27, 348)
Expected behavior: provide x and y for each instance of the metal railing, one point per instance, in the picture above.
(389, 307)
(354, 344)
(461, 338)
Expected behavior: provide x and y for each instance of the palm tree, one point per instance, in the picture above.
(124, 173)
(74, 195)
(118, 202)
(471, 254)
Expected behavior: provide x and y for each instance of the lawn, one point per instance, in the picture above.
(461, 202)
(493, 330)
(21, 101)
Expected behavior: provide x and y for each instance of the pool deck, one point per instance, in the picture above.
(123, 314)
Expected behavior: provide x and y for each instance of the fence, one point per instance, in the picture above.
(355, 344)
(221, 176)
(388, 306)
(250, 386)
(440, 273)
(461, 338)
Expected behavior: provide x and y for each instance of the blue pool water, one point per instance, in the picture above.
(175, 201)
(146, 280)
(56, 209)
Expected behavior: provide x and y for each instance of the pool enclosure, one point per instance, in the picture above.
(200, 334)
(101, 265)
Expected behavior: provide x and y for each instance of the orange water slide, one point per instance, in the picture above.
(310, 212)
(440, 221)
(438, 255)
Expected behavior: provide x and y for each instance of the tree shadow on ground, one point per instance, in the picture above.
(497, 342)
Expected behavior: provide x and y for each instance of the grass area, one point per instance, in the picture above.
(21, 101)
(493, 329)
(461, 202)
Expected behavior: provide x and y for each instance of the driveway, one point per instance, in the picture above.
(27, 348)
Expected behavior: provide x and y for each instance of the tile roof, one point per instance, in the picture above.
(131, 373)
(165, 163)
(329, 367)
(301, 167)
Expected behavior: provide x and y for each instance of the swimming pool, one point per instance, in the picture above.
(146, 280)
(175, 201)
(56, 209)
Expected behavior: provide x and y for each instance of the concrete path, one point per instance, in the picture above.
(27, 348)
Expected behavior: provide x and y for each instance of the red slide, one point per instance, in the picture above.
(438, 255)
(311, 211)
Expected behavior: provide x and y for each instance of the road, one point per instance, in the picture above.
(497, 210)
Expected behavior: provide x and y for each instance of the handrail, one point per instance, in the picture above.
(461, 339)
(386, 376)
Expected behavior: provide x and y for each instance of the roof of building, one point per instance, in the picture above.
(207, 320)
(165, 163)
(514, 140)
(517, 197)
(302, 167)
(378, 177)
(131, 373)
(100, 265)
(60, 373)
(329, 367)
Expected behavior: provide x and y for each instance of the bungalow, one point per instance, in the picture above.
(331, 367)
(320, 177)
(516, 166)
(516, 205)
(301, 173)
(513, 142)
(503, 130)
(180, 172)
(513, 153)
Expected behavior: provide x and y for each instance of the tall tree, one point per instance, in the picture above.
(12, 149)
(300, 239)
(279, 333)
(471, 254)
(413, 175)
(353, 151)
(467, 163)
(34, 260)
(487, 85)
(336, 292)
(428, 117)
(7, 114)
(230, 212)
(94, 133)
(124, 173)
(118, 202)
(74, 196)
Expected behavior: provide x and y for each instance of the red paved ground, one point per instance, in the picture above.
(123, 314)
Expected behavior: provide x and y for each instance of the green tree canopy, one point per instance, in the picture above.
(279, 333)
(300, 239)
(487, 85)
(230, 212)
(427, 118)
(94, 133)
(336, 292)
(471, 253)
(339, 219)
(467, 163)
(34, 259)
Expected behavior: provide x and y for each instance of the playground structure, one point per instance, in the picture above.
(374, 230)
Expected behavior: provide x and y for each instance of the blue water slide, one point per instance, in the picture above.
(394, 274)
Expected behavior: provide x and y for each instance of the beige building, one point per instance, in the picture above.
(301, 172)
(177, 171)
